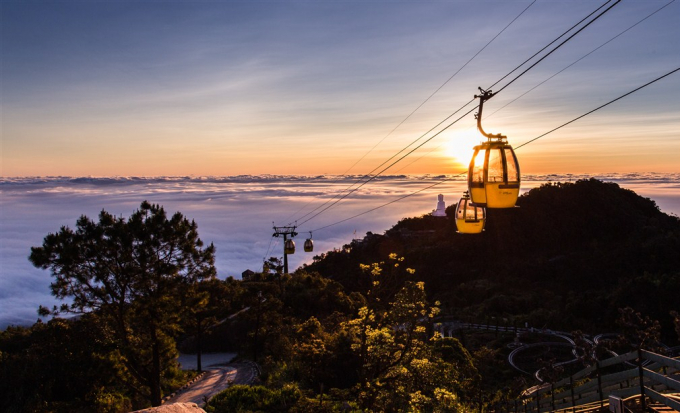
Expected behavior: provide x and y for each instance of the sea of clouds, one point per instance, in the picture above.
(236, 213)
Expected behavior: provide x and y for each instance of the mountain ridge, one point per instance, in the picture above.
(568, 256)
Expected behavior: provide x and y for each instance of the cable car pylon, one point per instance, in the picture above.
(288, 243)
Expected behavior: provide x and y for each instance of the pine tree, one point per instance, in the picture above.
(135, 275)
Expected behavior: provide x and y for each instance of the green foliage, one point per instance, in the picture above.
(399, 367)
(351, 353)
(359, 336)
(243, 399)
(568, 257)
(676, 322)
(135, 275)
(380, 357)
(335, 402)
(638, 331)
(59, 366)
(207, 303)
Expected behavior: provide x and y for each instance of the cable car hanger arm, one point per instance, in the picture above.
(484, 96)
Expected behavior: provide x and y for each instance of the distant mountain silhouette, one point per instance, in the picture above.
(567, 257)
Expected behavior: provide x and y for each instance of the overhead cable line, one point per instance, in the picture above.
(451, 124)
(407, 117)
(555, 48)
(599, 107)
(418, 158)
(268, 249)
(583, 57)
(371, 176)
(384, 205)
(517, 148)
(550, 44)
(442, 85)
(567, 67)
(395, 162)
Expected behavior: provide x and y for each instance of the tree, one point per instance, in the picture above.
(272, 267)
(400, 368)
(208, 303)
(639, 332)
(135, 275)
(676, 322)
(37, 374)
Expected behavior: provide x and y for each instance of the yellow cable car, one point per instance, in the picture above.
(470, 218)
(493, 176)
(289, 247)
(309, 244)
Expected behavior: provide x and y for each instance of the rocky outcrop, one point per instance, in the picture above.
(174, 408)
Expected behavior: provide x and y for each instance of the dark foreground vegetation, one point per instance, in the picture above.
(356, 329)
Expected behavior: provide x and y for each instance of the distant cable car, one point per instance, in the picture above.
(309, 244)
(470, 218)
(289, 247)
(493, 176)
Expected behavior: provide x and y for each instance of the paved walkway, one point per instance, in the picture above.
(216, 379)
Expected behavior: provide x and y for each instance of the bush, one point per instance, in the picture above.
(244, 399)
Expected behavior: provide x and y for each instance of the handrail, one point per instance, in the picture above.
(667, 381)
(666, 361)
(604, 363)
(595, 391)
(616, 360)
(608, 379)
(662, 399)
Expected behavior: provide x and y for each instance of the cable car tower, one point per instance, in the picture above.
(288, 243)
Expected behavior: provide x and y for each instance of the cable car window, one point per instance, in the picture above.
(470, 213)
(495, 165)
(478, 166)
(513, 173)
(461, 208)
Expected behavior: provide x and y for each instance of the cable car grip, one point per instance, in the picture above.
(484, 96)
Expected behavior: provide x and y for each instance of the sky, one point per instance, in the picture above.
(205, 88)
(240, 113)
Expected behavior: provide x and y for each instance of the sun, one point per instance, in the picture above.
(460, 148)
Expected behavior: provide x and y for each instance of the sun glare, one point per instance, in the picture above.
(459, 148)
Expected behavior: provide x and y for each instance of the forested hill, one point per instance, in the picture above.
(567, 257)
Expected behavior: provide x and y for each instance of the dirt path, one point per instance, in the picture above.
(216, 379)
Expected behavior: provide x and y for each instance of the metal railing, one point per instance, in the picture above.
(652, 376)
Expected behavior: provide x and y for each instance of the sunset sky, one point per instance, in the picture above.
(149, 88)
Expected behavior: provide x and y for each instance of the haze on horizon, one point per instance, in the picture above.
(224, 88)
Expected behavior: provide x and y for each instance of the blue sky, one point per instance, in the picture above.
(297, 87)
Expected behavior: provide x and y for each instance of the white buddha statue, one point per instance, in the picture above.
(441, 207)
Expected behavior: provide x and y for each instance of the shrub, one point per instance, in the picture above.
(244, 399)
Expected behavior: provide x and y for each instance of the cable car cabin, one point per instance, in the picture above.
(470, 218)
(289, 247)
(493, 177)
(309, 245)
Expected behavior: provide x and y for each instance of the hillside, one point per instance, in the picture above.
(350, 336)
(568, 257)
